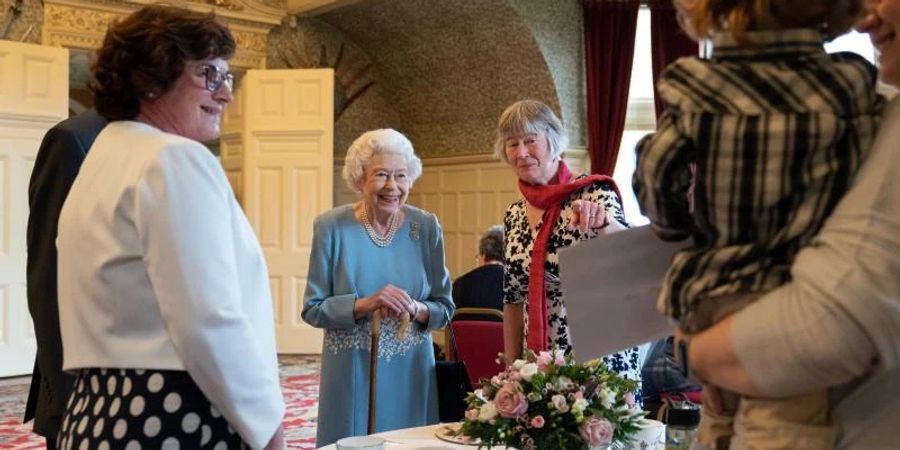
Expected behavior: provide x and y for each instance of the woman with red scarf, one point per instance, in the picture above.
(558, 209)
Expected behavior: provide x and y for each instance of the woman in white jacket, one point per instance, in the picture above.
(165, 309)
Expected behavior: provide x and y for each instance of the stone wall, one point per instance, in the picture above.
(445, 70)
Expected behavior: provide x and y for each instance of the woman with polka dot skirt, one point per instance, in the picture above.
(164, 303)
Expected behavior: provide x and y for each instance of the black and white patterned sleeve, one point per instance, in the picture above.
(604, 194)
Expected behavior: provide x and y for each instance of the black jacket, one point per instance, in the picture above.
(481, 287)
(60, 156)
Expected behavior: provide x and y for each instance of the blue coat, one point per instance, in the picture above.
(346, 265)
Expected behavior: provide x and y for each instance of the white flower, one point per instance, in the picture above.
(579, 405)
(487, 412)
(517, 364)
(564, 384)
(559, 402)
(528, 370)
(607, 398)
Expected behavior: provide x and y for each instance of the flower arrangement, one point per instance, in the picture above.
(547, 401)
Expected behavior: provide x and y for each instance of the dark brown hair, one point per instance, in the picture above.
(701, 18)
(143, 54)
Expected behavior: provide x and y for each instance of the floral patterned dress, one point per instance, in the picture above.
(519, 241)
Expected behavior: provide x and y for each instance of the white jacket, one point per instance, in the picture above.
(159, 269)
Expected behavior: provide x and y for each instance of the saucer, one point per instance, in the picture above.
(447, 433)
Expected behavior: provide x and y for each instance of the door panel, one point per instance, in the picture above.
(278, 152)
(33, 97)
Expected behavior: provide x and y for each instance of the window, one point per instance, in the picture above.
(853, 42)
(640, 119)
(641, 116)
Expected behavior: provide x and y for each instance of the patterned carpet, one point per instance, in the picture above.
(299, 383)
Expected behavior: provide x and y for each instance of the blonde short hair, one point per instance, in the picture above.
(702, 18)
(370, 143)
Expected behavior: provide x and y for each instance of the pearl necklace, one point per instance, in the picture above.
(381, 241)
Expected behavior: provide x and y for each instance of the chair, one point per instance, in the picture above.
(478, 342)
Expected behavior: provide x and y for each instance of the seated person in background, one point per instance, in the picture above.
(661, 375)
(482, 287)
(777, 128)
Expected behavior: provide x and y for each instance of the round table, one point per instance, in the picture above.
(416, 438)
(423, 438)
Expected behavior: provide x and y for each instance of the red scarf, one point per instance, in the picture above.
(550, 198)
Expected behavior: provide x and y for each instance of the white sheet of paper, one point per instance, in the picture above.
(610, 285)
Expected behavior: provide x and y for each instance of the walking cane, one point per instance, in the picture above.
(373, 368)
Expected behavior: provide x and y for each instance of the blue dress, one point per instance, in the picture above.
(345, 265)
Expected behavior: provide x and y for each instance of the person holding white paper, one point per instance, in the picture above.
(558, 210)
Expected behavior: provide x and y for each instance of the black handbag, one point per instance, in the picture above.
(453, 384)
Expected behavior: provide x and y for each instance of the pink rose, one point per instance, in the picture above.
(510, 401)
(596, 431)
(559, 357)
(537, 422)
(543, 359)
(471, 414)
(629, 399)
(559, 402)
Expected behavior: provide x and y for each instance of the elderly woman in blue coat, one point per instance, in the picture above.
(378, 254)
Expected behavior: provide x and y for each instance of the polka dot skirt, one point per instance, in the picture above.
(141, 410)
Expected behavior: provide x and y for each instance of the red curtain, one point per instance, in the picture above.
(669, 42)
(609, 30)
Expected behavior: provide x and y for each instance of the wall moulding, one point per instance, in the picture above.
(82, 24)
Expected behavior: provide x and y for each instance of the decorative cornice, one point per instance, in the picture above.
(83, 23)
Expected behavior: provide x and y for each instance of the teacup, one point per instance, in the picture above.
(649, 436)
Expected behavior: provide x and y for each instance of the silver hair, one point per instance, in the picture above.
(370, 143)
(490, 246)
(530, 117)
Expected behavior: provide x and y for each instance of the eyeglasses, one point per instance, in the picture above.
(215, 77)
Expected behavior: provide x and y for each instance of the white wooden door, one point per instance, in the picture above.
(34, 92)
(277, 149)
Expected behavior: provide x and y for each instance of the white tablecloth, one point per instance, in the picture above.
(421, 438)
(416, 438)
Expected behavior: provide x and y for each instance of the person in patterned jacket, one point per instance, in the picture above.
(557, 210)
(756, 146)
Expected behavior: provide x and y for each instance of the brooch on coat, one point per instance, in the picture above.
(414, 231)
